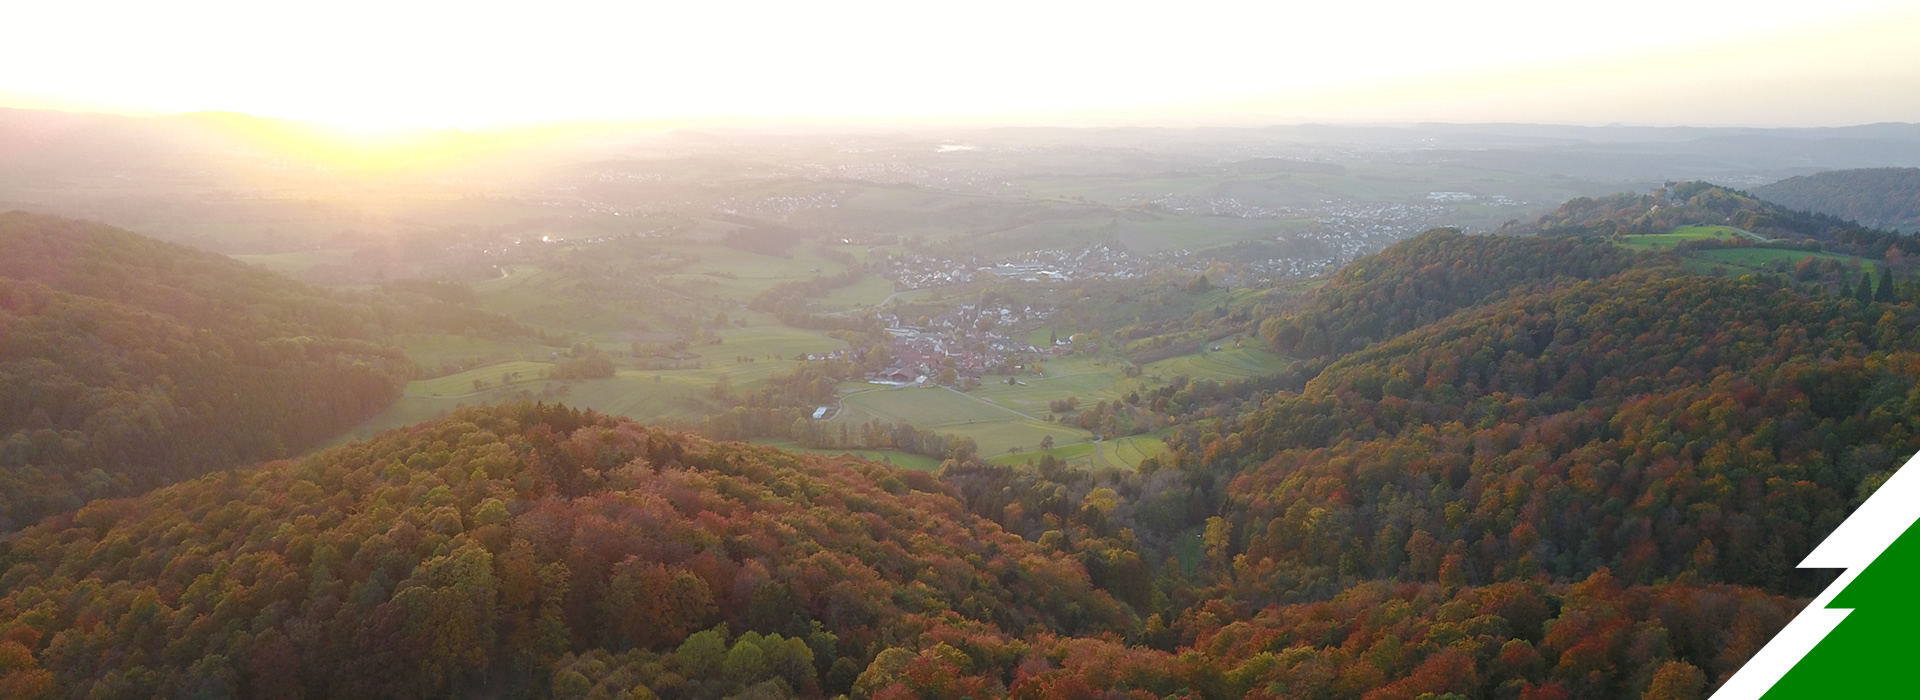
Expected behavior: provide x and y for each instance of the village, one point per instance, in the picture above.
(958, 346)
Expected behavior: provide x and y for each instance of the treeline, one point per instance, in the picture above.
(788, 301)
(1426, 278)
(127, 363)
(882, 435)
(1880, 197)
(499, 550)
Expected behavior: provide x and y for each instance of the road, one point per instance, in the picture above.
(890, 297)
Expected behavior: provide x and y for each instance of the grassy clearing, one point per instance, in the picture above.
(1247, 360)
(1704, 261)
(494, 376)
(1666, 241)
(1761, 257)
(1121, 453)
(903, 460)
(924, 407)
(869, 291)
(297, 264)
(996, 429)
(1013, 436)
(433, 350)
(996, 415)
(1087, 379)
(763, 340)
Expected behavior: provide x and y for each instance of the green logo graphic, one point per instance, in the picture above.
(1873, 653)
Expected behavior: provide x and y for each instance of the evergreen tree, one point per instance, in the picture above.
(1885, 291)
(1864, 292)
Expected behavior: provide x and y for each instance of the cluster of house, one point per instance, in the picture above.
(1220, 206)
(779, 206)
(970, 339)
(1098, 261)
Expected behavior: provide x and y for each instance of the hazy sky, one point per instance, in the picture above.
(480, 64)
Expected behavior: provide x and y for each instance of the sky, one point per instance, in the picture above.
(480, 65)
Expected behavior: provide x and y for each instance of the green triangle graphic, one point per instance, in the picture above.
(1874, 652)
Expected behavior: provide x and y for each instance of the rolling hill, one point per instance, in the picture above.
(487, 552)
(127, 363)
(1881, 197)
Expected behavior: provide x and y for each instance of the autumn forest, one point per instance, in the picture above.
(1536, 464)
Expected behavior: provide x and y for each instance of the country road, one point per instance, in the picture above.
(890, 297)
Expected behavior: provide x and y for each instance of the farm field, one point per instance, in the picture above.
(868, 291)
(761, 340)
(1248, 360)
(646, 395)
(996, 429)
(1089, 380)
(1758, 257)
(1122, 453)
(494, 375)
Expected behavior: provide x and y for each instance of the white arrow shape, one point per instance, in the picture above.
(1852, 546)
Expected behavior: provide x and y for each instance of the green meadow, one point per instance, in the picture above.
(1245, 360)
(994, 427)
(1122, 453)
(903, 460)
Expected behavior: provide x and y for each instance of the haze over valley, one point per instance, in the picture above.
(833, 355)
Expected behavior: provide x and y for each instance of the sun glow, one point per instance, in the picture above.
(367, 65)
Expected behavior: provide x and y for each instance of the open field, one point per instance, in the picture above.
(903, 460)
(1665, 241)
(1122, 453)
(299, 263)
(925, 407)
(868, 291)
(433, 350)
(645, 395)
(1705, 260)
(1250, 359)
(761, 340)
(1088, 379)
(631, 393)
(494, 375)
(996, 429)
(1000, 417)
(1757, 257)
(1012, 435)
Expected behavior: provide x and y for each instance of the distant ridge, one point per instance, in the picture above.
(1882, 197)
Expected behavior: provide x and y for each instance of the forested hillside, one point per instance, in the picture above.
(1424, 279)
(498, 547)
(1881, 197)
(534, 551)
(127, 363)
(1657, 427)
(1513, 467)
(1702, 203)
